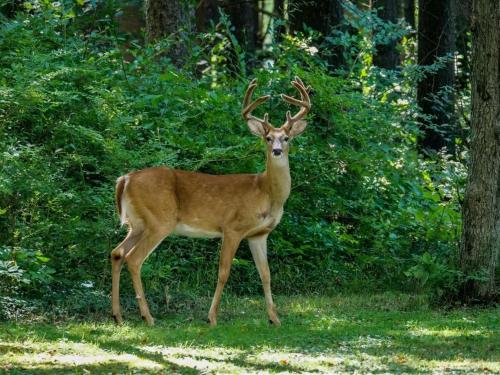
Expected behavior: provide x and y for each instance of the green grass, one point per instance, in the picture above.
(380, 333)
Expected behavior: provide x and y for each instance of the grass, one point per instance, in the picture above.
(379, 333)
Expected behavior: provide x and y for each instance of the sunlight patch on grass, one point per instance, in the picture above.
(220, 360)
(43, 355)
(447, 332)
(213, 359)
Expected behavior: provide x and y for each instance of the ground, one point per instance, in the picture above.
(377, 333)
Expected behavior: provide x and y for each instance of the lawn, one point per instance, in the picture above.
(378, 333)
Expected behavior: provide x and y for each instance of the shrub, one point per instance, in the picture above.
(74, 116)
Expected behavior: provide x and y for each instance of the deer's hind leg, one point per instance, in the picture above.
(135, 259)
(117, 259)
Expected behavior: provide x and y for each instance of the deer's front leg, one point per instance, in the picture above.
(258, 247)
(230, 244)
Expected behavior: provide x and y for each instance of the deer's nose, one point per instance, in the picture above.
(277, 151)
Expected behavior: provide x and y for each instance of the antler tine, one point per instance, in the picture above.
(249, 92)
(299, 81)
(304, 102)
(248, 108)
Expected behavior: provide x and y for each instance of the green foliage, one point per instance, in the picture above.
(432, 274)
(74, 115)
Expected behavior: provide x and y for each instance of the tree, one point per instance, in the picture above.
(481, 208)
(386, 57)
(167, 18)
(435, 40)
(323, 16)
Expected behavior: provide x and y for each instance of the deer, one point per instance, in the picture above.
(161, 201)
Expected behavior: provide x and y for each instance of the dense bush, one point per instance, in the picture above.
(74, 116)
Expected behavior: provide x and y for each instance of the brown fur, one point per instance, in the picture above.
(227, 203)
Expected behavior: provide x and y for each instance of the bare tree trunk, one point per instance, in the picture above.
(481, 209)
(169, 17)
(387, 57)
(436, 39)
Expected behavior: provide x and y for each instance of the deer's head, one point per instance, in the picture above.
(277, 139)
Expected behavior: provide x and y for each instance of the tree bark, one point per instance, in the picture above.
(323, 16)
(386, 56)
(436, 39)
(481, 208)
(169, 17)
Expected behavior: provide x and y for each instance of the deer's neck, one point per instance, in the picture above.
(277, 179)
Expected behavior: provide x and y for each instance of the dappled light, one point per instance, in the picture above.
(318, 335)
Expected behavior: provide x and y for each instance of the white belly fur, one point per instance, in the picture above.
(189, 231)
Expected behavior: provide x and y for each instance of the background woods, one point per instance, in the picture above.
(90, 90)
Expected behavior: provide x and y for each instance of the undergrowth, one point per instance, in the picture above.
(364, 211)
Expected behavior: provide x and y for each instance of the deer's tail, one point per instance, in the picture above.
(120, 187)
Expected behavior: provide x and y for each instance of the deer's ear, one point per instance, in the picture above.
(298, 128)
(256, 127)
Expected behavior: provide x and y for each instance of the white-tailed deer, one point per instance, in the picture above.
(157, 202)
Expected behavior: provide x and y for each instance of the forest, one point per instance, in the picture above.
(385, 256)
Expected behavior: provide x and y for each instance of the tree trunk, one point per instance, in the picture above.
(169, 17)
(323, 16)
(436, 39)
(245, 19)
(386, 56)
(481, 209)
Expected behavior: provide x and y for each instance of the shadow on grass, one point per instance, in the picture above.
(392, 339)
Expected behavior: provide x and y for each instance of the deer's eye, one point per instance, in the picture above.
(286, 139)
(268, 138)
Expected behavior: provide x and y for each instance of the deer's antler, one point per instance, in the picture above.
(304, 103)
(249, 107)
